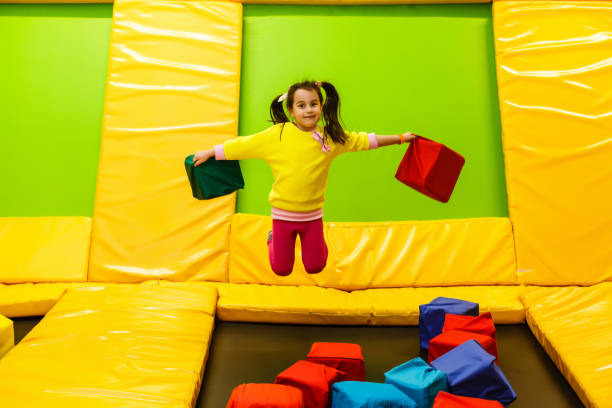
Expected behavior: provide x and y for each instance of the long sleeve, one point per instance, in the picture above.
(246, 147)
(359, 141)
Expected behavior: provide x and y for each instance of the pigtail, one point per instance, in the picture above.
(331, 114)
(277, 112)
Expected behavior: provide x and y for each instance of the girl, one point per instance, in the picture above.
(300, 153)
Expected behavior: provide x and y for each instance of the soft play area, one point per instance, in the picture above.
(119, 289)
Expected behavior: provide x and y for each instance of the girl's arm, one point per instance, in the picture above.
(238, 148)
(366, 141)
(386, 140)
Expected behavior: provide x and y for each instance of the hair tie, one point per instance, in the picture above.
(318, 83)
(282, 97)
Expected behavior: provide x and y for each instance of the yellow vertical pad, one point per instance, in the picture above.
(362, 255)
(7, 335)
(554, 73)
(573, 326)
(119, 346)
(44, 249)
(172, 89)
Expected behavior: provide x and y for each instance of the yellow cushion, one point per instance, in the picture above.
(315, 305)
(128, 346)
(7, 335)
(29, 299)
(292, 304)
(185, 58)
(401, 306)
(475, 251)
(44, 249)
(139, 296)
(573, 325)
(289, 304)
(554, 97)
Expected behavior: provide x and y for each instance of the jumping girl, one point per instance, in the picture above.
(300, 153)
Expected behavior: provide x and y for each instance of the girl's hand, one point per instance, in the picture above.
(201, 156)
(409, 136)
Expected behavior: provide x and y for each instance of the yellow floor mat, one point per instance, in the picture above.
(573, 325)
(122, 345)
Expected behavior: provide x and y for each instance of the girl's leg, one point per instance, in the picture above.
(314, 250)
(281, 248)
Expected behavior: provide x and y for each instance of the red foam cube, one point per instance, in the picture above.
(446, 341)
(446, 400)
(430, 168)
(345, 357)
(482, 324)
(314, 380)
(265, 396)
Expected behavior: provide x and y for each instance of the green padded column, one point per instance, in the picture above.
(52, 85)
(428, 69)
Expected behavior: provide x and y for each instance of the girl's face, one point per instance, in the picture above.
(306, 109)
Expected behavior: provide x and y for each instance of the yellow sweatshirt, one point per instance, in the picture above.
(299, 161)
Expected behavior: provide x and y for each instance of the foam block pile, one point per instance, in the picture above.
(463, 345)
(462, 370)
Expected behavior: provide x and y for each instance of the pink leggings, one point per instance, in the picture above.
(281, 248)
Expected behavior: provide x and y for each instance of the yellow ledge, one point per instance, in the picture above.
(291, 304)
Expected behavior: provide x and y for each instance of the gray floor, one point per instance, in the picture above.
(245, 352)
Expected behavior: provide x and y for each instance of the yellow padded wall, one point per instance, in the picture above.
(363, 255)
(172, 89)
(44, 249)
(554, 70)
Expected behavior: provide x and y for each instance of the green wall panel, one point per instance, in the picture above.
(52, 79)
(427, 69)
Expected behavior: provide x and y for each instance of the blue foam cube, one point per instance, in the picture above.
(431, 316)
(360, 394)
(418, 380)
(472, 372)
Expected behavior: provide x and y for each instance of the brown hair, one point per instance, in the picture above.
(331, 108)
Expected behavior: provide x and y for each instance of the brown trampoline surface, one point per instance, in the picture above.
(250, 352)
